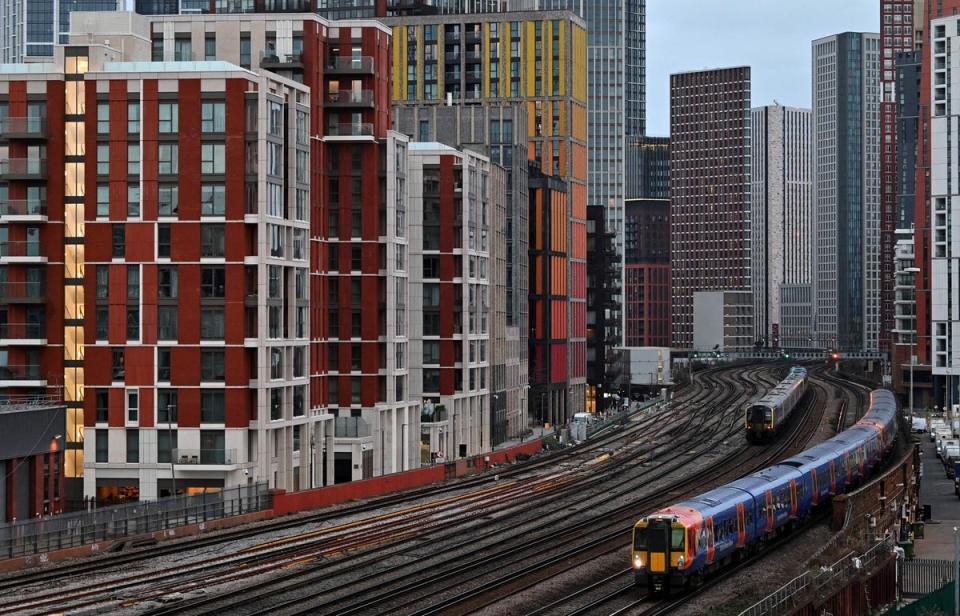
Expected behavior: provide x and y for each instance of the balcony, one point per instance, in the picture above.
(22, 333)
(350, 65)
(205, 457)
(23, 128)
(349, 132)
(474, 56)
(473, 36)
(451, 57)
(23, 169)
(22, 293)
(351, 427)
(286, 61)
(27, 210)
(21, 252)
(350, 98)
(20, 373)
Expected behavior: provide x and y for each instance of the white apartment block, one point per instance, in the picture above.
(781, 216)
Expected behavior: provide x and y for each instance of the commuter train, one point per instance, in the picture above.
(679, 545)
(765, 417)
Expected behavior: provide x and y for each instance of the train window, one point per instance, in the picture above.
(676, 539)
(639, 538)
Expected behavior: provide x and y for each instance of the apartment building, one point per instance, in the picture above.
(710, 238)
(452, 198)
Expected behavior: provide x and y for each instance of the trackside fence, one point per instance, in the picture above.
(792, 594)
(921, 577)
(23, 538)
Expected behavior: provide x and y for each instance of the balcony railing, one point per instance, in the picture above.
(350, 130)
(438, 414)
(27, 168)
(23, 207)
(284, 60)
(21, 291)
(351, 427)
(19, 249)
(350, 98)
(23, 127)
(22, 372)
(205, 456)
(13, 331)
(350, 65)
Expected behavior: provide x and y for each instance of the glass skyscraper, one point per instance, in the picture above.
(30, 28)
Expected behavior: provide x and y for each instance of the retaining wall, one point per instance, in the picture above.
(284, 503)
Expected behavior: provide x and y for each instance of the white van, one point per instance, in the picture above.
(951, 449)
(919, 425)
(943, 435)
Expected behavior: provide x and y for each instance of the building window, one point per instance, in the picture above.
(133, 118)
(103, 446)
(211, 365)
(245, 50)
(133, 200)
(103, 118)
(167, 442)
(167, 323)
(119, 241)
(168, 199)
(133, 446)
(103, 323)
(213, 117)
(133, 159)
(212, 447)
(156, 50)
(210, 46)
(169, 114)
(212, 241)
(163, 241)
(169, 158)
(212, 158)
(133, 406)
(276, 404)
(133, 323)
(163, 365)
(182, 50)
(211, 406)
(102, 401)
(211, 324)
(133, 282)
(166, 406)
(212, 282)
(299, 400)
(116, 360)
(212, 199)
(276, 363)
(103, 159)
(167, 282)
(103, 200)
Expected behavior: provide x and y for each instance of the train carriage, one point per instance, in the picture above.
(686, 541)
(765, 417)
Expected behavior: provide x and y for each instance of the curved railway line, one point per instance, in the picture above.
(453, 548)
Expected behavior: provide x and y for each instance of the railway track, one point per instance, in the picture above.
(286, 594)
(10, 582)
(615, 595)
(293, 548)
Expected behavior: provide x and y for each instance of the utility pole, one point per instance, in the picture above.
(913, 341)
(173, 469)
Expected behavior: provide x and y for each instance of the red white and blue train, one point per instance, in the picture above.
(679, 545)
(765, 417)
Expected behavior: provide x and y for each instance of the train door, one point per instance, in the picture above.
(658, 545)
(863, 458)
(793, 498)
(711, 550)
(816, 490)
(833, 478)
(770, 510)
(741, 526)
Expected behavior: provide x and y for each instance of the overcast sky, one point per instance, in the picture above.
(771, 36)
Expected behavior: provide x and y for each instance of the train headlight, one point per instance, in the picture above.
(637, 562)
(680, 561)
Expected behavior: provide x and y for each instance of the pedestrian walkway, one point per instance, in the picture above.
(936, 490)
